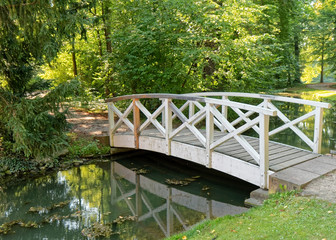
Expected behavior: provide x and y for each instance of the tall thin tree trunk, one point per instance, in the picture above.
(297, 58)
(107, 30)
(73, 53)
(322, 62)
(100, 44)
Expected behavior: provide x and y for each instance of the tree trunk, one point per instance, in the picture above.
(100, 44)
(297, 58)
(73, 53)
(322, 62)
(107, 30)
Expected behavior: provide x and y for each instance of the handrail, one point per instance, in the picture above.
(186, 97)
(261, 96)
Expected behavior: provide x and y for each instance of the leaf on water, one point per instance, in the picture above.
(205, 188)
(122, 219)
(40, 209)
(7, 227)
(190, 179)
(37, 209)
(98, 230)
(140, 170)
(182, 182)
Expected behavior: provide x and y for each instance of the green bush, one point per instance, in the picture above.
(84, 147)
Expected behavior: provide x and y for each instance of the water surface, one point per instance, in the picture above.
(160, 195)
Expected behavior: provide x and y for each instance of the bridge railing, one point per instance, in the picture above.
(268, 102)
(195, 109)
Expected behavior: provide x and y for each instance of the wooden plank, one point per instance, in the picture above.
(275, 149)
(236, 168)
(284, 153)
(153, 144)
(293, 162)
(243, 152)
(189, 152)
(289, 158)
(237, 147)
(124, 141)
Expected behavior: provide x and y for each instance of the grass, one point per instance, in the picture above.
(302, 91)
(283, 216)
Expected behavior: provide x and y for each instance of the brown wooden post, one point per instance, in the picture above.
(136, 123)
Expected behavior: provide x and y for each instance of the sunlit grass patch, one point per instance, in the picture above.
(302, 91)
(284, 216)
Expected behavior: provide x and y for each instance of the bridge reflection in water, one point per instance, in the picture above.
(173, 209)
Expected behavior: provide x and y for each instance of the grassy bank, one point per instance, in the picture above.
(304, 92)
(283, 216)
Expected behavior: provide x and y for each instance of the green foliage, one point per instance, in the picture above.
(182, 46)
(15, 164)
(30, 34)
(84, 147)
(35, 127)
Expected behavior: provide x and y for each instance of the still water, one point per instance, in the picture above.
(165, 197)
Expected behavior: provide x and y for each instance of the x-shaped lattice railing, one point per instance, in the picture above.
(207, 111)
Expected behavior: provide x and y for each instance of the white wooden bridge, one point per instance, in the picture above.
(208, 129)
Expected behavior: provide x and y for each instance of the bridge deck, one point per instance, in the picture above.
(281, 156)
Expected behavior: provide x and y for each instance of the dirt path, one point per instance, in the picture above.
(88, 124)
(323, 86)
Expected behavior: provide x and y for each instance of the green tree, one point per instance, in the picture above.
(321, 35)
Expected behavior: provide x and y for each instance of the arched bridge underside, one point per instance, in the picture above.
(211, 129)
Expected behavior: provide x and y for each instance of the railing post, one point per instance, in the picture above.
(168, 125)
(264, 146)
(318, 130)
(209, 133)
(136, 123)
(263, 149)
(224, 111)
(111, 123)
